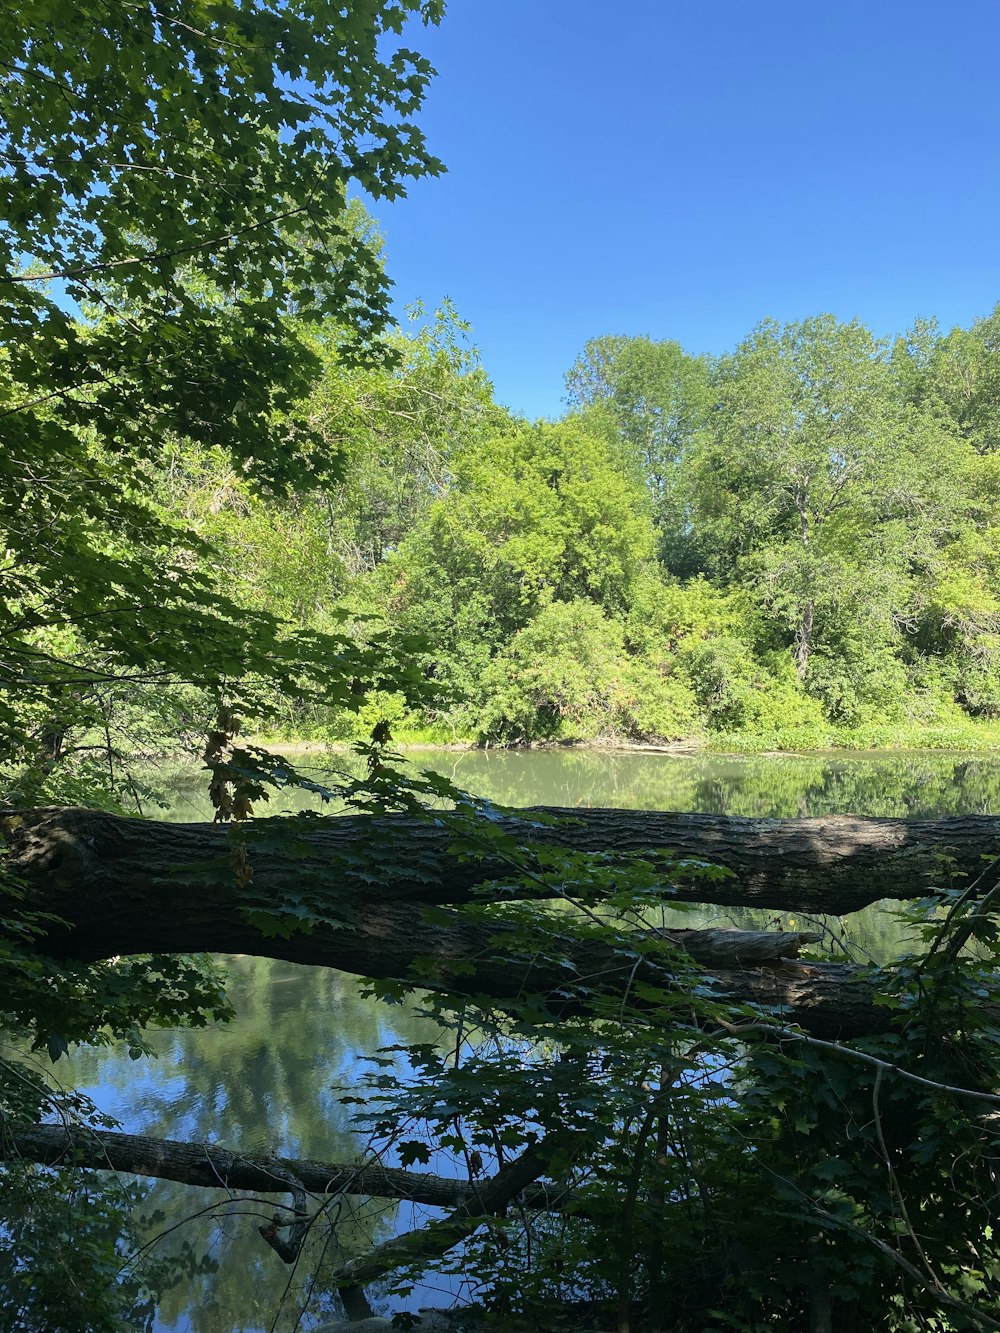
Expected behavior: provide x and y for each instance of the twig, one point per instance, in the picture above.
(790, 1034)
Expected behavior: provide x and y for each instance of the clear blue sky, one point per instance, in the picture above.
(684, 170)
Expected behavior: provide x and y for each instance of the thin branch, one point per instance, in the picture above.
(851, 1052)
(894, 1182)
(424, 1243)
(211, 1166)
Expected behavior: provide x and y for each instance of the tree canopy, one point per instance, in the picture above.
(233, 493)
(175, 219)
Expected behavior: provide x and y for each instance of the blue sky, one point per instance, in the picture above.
(684, 170)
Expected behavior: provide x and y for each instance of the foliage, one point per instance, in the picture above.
(544, 513)
(738, 693)
(566, 676)
(824, 511)
(398, 426)
(62, 1256)
(175, 192)
(961, 376)
(672, 1127)
(220, 465)
(812, 499)
(153, 147)
(653, 399)
(175, 225)
(532, 516)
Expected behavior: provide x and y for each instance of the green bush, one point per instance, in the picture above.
(752, 703)
(567, 676)
(650, 706)
(556, 678)
(858, 683)
(978, 685)
(663, 613)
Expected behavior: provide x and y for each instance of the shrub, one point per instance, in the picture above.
(556, 678)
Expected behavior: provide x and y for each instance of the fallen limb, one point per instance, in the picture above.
(492, 962)
(211, 1166)
(431, 1241)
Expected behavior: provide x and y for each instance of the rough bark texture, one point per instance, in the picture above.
(834, 865)
(129, 886)
(122, 886)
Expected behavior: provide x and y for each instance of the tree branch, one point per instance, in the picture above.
(210, 1166)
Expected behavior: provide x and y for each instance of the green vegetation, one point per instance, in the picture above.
(224, 471)
(793, 546)
(177, 249)
(231, 493)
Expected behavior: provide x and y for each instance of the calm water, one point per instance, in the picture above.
(268, 1080)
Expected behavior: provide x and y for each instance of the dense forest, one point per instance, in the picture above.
(794, 545)
(791, 546)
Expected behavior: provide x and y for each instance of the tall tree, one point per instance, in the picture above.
(400, 424)
(173, 185)
(962, 377)
(173, 191)
(817, 483)
(533, 515)
(956, 621)
(653, 398)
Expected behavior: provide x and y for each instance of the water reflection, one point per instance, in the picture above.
(266, 1081)
(905, 784)
(915, 784)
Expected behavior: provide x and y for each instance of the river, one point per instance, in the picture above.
(271, 1079)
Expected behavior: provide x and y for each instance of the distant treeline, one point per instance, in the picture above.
(797, 544)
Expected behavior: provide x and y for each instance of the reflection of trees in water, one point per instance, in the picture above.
(224, 1279)
(265, 1081)
(906, 784)
(914, 784)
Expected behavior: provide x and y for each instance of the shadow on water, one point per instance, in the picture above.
(267, 1080)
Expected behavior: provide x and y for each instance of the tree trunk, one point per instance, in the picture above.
(834, 865)
(803, 640)
(385, 897)
(212, 1167)
(123, 886)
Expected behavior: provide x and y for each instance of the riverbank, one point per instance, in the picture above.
(973, 737)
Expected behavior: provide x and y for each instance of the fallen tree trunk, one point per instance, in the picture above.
(831, 865)
(124, 887)
(212, 1167)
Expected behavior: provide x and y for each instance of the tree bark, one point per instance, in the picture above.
(122, 886)
(803, 640)
(213, 1167)
(833, 865)
(491, 1196)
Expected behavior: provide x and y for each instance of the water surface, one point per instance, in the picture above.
(271, 1079)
